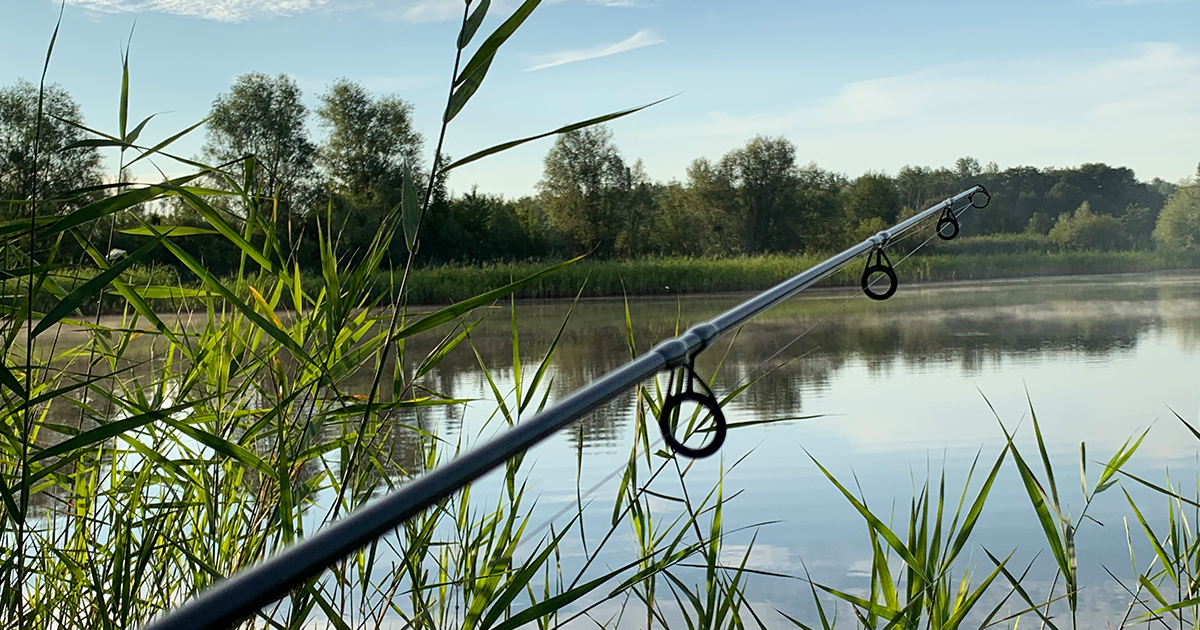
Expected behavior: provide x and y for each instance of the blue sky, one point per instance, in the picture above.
(857, 86)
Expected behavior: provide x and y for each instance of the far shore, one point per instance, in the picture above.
(696, 276)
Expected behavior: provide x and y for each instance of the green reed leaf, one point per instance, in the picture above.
(219, 223)
(471, 25)
(893, 541)
(1048, 521)
(500, 604)
(116, 203)
(411, 210)
(247, 311)
(1187, 603)
(1159, 551)
(972, 518)
(572, 127)
(464, 92)
(9, 380)
(437, 318)
(123, 109)
(967, 601)
(488, 48)
(545, 364)
(108, 430)
(90, 289)
(169, 230)
(1037, 432)
(222, 446)
(165, 143)
(875, 609)
(1116, 461)
(11, 511)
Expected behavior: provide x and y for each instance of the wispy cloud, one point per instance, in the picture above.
(1139, 108)
(219, 10)
(640, 39)
(432, 11)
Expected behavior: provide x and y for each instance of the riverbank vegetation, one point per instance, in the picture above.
(145, 457)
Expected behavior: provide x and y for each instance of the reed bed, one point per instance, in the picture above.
(674, 276)
(148, 455)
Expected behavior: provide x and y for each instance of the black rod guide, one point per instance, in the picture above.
(245, 592)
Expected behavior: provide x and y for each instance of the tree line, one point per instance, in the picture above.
(757, 198)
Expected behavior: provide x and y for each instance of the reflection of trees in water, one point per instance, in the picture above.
(973, 328)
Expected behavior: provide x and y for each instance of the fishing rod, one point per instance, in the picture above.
(245, 592)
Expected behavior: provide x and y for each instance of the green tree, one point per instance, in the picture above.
(819, 196)
(1179, 222)
(703, 217)
(763, 174)
(1084, 229)
(57, 171)
(584, 191)
(873, 195)
(369, 142)
(262, 116)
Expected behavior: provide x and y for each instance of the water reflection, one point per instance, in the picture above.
(972, 327)
(900, 389)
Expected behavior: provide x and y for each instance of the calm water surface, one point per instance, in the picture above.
(902, 390)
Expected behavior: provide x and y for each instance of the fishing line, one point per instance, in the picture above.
(909, 234)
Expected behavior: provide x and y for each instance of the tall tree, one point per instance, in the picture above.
(763, 173)
(584, 189)
(57, 171)
(369, 142)
(262, 116)
(870, 196)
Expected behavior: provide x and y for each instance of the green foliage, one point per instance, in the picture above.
(59, 169)
(585, 191)
(1086, 230)
(873, 195)
(994, 244)
(763, 178)
(263, 116)
(369, 141)
(1179, 222)
(144, 457)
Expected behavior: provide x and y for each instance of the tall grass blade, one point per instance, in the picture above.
(479, 155)
(450, 313)
(90, 289)
(488, 48)
(472, 24)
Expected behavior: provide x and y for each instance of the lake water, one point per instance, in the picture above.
(902, 391)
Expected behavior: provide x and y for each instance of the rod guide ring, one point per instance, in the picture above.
(668, 415)
(882, 265)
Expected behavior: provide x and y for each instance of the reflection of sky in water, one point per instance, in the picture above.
(901, 386)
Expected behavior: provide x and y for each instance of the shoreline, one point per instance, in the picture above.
(673, 278)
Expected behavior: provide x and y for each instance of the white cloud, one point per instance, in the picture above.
(433, 11)
(1139, 108)
(219, 10)
(640, 39)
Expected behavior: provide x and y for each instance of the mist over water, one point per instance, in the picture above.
(901, 391)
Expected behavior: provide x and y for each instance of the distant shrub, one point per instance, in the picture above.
(1003, 243)
(1179, 222)
(1086, 230)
